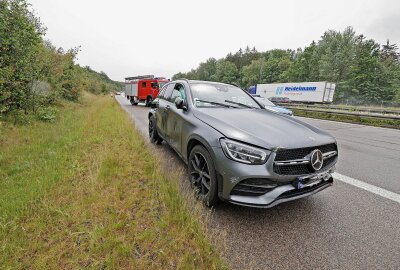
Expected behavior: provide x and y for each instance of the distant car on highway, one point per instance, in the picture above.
(272, 107)
(236, 150)
(280, 99)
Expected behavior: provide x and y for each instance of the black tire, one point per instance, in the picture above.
(149, 100)
(153, 134)
(202, 175)
(133, 102)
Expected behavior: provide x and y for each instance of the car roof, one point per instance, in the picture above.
(199, 81)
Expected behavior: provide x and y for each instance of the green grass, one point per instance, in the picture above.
(370, 121)
(84, 192)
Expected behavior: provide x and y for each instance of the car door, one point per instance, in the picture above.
(143, 85)
(162, 110)
(154, 89)
(175, 118)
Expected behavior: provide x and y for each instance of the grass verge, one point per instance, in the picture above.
(84, 192)
(370, 121)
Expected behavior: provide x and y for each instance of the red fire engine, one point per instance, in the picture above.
(143, 88)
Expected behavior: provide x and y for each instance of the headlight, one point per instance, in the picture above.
(244, 153)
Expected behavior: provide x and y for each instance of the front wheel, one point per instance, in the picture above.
(133, 101)
(153, 134)
(202, 175)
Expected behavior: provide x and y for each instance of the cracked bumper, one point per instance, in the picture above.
(231, 173)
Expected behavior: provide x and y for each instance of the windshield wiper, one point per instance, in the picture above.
(240, 104)
(215, 103)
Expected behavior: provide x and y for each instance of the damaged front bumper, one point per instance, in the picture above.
(300, 188)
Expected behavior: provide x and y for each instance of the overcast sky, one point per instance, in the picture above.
(126, 38)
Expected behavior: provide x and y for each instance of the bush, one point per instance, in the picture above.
(18, 117)
(34, 73)
(47, 114)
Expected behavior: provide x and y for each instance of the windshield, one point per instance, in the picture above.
(221, 95)
(264, 101)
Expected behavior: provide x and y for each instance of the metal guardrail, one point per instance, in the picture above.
(359, 114)
(350, 109)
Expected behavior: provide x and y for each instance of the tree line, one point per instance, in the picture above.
(34, 74)
(364, 71)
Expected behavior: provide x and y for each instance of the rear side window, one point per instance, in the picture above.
(162, 91)
(168, 91)
(144, 84)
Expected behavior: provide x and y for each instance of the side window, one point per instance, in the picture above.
(168, 91)
(162, 91)
(144, 84)
(179, 91)
(154, 85)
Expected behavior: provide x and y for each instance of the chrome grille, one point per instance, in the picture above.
(296, 162)
(299, 153)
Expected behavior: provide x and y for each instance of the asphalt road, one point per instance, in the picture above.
(342, 227)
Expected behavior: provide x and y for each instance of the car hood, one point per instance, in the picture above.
(263, 128)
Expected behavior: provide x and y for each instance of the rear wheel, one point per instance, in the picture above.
(149, 100)
(153, 134)
(202, 175)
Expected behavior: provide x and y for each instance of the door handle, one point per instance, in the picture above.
(167, 107)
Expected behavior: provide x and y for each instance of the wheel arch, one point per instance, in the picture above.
(150, 114)
(197, 140)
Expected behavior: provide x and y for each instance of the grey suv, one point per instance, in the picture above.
(236, 150)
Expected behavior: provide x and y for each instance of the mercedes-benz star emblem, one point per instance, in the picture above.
(316, 159)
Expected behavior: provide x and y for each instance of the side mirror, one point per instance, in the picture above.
(180, 103)
(154, 104)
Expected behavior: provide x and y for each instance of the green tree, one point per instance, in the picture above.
(226, 72)
(390, 58)
(362, 70)
(33, 73)
(336, 51)
(179, 75)
(20, 40)
(207, 69)
(305, 65)
(252, 74)
(276, 66)
(368, 79)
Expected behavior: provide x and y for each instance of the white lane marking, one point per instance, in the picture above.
(368, 187)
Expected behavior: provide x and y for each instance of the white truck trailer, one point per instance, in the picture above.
(307, 92)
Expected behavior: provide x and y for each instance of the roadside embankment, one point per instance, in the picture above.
(85, 192)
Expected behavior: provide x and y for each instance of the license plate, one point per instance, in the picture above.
(300, 182)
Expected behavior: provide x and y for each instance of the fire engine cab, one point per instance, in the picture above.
(143, 88)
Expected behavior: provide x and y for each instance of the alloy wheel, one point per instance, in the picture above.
(200, 174)
(151, 128)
